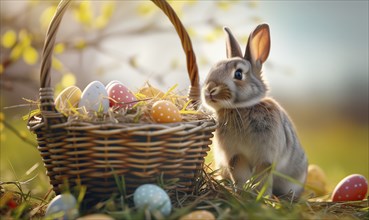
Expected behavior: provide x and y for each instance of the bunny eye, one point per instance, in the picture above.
(238, 74)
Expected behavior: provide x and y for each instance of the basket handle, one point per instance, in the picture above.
(47, 100)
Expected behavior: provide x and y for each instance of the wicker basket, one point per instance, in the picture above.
(93, 154)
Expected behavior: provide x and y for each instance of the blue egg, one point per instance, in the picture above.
(153, 197)
(94, 98)
(63, 206)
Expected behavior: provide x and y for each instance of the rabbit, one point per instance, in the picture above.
(254, 131)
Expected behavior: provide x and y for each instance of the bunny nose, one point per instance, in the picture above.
(212, 88)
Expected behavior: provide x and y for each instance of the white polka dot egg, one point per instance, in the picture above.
(152, 197)
(352, 188)
(120, 96)
(165, 112)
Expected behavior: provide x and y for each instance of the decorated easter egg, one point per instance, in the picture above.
(153, 197)
(151, 92)
(94, 98)
(316, 180)
(351, 188)
(64, 205)
(68, 99)
(165, 112)
(120, 96)
(111, 83)
(198, 215)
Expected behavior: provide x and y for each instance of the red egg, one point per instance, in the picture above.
(351, 188)
(120, 96)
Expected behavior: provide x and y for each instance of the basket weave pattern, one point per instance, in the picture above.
(91, 154)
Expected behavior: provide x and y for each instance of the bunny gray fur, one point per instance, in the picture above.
(254, 131)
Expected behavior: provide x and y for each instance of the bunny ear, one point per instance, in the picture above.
(233, 48)
(258, 46)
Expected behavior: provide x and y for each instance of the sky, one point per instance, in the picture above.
(324, 43)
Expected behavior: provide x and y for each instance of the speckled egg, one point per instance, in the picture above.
(198, 215)
(153, 197)
(120, 96)
(351, 188)
(68, 99)
(165, 112)
(64, 205)
(95, 98)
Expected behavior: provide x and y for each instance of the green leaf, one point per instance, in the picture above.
(8, 39)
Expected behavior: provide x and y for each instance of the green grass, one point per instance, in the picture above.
(216, 196)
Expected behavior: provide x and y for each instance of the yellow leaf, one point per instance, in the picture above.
(145, 8)
(34, 2)
(101, 22)
(68, 80)
(25, 38)
(56, 64)
(224, 5)
(83, 13)
(46, 16)
(108, 9)
(16, 52)
(214, 35)
(192, 32)
(30, 55)
(1, 69)
(59, 48)
(2, 116)
(80, 44)
(8, 39)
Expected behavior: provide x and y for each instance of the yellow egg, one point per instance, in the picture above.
(199, 215)
(151, 92)
(68, 99)
(96, 217)
(165, 112)
(316, 180)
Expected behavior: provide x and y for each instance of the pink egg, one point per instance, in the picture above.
(351, 188)
(120, 96)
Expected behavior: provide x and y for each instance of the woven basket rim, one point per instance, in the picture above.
(45, 75)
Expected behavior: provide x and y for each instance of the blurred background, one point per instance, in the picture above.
(317, 68)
